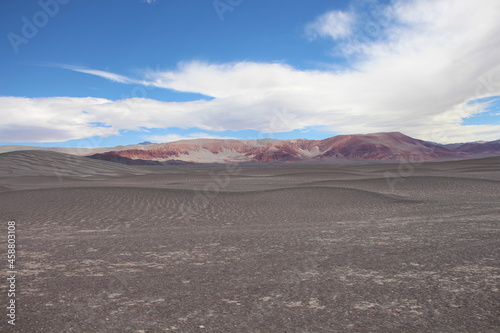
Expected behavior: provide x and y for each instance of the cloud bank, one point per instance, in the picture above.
(177, 137)
(419, 75)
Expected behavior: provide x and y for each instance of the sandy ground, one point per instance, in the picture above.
(272, 248)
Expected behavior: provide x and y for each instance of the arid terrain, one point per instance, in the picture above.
(346, 247)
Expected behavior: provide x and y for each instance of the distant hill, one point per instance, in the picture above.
(492, 147)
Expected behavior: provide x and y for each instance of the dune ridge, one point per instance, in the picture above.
(48, 163)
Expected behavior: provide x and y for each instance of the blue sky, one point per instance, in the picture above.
(105, 73)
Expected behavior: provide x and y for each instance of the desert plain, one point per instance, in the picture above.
(347, 247)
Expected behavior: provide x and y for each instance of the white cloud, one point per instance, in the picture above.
(49, 119)
(177, 137)
(334, 24)
(435, 58)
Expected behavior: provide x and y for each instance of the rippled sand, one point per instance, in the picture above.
(271, 248)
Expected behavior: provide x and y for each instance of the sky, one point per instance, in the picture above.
(92, 73)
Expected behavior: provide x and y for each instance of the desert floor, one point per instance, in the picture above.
(360, 247)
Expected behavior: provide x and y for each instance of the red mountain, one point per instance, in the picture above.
(379, 146)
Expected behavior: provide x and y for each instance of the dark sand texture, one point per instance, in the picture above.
(273, 248)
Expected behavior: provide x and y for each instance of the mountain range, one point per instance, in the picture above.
(392, 146)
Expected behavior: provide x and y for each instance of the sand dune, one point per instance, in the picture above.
(295, 248)
(47, 163)
(421, 187)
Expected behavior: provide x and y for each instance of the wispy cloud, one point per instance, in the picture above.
(103, 74)
(434, 59)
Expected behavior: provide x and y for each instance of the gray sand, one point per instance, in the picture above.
(271, 248)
